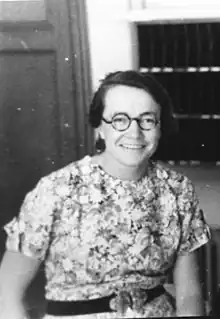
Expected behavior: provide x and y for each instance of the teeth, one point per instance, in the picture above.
(132, 146)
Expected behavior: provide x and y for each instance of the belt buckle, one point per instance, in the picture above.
(135, 299)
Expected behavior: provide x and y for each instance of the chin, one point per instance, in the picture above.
(134, 161)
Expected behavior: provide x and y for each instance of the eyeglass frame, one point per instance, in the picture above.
(137, 119)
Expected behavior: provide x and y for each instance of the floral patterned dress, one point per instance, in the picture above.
(97, 234)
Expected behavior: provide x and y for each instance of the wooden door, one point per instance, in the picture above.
(44, 91)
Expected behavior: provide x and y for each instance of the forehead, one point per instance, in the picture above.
(131, 100)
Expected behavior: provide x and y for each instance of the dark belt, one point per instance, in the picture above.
(99, 305)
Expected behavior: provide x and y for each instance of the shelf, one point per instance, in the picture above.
(174, 15)
(192, 163)
(198, 116)
(190, 69)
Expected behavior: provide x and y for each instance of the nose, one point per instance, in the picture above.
(134, 129)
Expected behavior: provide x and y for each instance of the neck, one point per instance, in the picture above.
(113, 167)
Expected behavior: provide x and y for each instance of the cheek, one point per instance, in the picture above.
(111, 136)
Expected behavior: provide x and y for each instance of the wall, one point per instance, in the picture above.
(110, 37)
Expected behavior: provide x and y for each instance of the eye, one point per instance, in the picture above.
(148, 119)
(120, 119)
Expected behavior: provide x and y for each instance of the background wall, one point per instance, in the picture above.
(112, 45)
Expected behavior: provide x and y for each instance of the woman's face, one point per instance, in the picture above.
(133, 146)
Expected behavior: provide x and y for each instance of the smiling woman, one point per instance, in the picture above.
(128, 144)
(111, 227)
(132, 113)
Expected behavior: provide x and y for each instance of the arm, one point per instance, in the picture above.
(28, 240)
(189, 300)
(195, 233)
(16, 273)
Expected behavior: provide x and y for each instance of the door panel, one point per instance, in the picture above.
(30, 143)
(23, 10)
(40, 96)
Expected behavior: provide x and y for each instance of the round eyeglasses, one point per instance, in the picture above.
(122, 121)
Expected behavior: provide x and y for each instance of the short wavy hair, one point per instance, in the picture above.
(138, 80)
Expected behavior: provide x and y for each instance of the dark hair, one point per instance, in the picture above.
(138, 80)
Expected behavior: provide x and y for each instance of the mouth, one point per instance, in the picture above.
(132, 146)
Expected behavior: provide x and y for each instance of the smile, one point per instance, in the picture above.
(132, 146)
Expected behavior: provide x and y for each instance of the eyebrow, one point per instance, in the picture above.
(144, 113)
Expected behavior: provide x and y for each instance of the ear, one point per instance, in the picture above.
(100, 141)
(101, 135)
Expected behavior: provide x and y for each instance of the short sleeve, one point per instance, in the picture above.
(195, 231)
(29, 232)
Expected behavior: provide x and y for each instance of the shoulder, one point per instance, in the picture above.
(61, 179)
(177, 181)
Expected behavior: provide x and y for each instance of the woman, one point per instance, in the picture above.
(112, 226)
